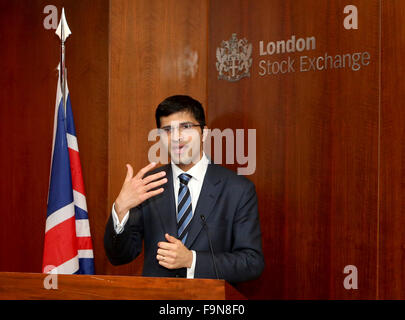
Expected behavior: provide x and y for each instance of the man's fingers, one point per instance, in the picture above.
(154, 176)
(153, 193)
(166, 253)
(166, 245)
(170, 238)
(142, 172)
(130, 172)
(155, 184)
(165, 259)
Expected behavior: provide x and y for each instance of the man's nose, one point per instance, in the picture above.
(176, 134)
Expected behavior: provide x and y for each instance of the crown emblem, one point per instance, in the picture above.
(234, 59)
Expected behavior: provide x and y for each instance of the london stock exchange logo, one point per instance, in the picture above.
(234, 59)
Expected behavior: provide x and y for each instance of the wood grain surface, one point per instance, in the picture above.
(31, 286)
(392, 156)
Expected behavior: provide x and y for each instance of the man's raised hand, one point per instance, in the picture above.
(136, 190)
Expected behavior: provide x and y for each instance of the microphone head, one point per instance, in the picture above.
(202, 217)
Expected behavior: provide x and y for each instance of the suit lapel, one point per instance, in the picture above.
(167, 207)
(208, 196)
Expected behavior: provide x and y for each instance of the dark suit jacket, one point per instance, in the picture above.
(229, 204)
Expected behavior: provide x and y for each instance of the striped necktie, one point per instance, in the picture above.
(184, 208)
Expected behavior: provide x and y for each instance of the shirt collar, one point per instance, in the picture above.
(197, 171)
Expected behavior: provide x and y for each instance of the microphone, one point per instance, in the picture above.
(210, 243)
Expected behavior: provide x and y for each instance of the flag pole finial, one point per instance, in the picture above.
(63, 32)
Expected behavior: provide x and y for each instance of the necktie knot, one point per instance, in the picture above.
(184, 178)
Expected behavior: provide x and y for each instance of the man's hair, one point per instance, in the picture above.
(180, 103)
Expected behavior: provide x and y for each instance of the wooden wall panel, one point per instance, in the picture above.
(28, 59)
(153, 45)
(317, 139)
(392, 172)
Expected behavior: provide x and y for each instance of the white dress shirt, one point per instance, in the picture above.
(197, 173)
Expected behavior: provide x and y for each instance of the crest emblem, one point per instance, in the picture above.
(234, 59)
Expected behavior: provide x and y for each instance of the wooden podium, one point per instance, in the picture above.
(30, 286)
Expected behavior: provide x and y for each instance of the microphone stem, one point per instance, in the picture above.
(210, 243)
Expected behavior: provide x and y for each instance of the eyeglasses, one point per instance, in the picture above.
(186, 126)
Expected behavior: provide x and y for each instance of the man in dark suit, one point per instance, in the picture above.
(182, 209)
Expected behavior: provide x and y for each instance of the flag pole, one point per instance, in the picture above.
(62, 59)
(63, 33)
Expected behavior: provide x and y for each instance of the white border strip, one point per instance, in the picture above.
(72, 142)
(59, 216)
(85, 253)
(80, 200)
(82, 228)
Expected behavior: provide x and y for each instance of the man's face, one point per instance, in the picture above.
(182, 137)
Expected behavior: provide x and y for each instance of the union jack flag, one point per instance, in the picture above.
(68, 247)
